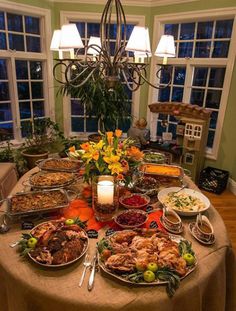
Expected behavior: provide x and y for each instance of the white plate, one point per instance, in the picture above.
(191, 192)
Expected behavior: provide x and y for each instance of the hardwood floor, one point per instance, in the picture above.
(225, 204)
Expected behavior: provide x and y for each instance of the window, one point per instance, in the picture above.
(202, 68)
(76, 119)
(23, 69)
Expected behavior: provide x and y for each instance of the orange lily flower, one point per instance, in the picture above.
(118, 133)
(85, 146)
(72, 149)
(109, 137)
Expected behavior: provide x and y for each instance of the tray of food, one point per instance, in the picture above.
(34, 202)
(62, 165)
(55, 244)
(50, 180)
(146, 257)
(166, 170)
(186, 202)
(153, 157)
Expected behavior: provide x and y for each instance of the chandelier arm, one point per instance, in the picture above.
(58, 65)
(84, 80)
(127, 82)
(158, 75)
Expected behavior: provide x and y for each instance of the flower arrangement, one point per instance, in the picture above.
(110, 156)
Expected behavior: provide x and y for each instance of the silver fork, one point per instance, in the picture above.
(86, 264)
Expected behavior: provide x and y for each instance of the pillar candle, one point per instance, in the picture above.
(105, 192)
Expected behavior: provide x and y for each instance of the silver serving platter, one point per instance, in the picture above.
(40, 210)
(160, 157)
(173, 237)
(42, 164)
(86, 244)
(30, 182)
(180, 175)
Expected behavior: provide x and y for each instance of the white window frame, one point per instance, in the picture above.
(45, 56)
(65, 17)
(183, 17)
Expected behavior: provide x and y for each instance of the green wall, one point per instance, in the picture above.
(227, 151)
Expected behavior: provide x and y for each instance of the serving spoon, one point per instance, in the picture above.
(4, 227)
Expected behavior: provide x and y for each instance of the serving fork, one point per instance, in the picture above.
(86, 263)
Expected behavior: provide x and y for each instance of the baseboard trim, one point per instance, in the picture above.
(232, 186)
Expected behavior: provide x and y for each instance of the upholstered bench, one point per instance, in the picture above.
(8, 178)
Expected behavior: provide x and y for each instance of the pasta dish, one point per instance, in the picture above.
(183, 202)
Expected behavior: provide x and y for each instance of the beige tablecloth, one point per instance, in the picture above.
(25, 286)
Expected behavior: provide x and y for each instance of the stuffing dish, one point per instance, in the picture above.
(146, 256)
(37, 200)
(51, 179)
(60, 165)
(57, 243)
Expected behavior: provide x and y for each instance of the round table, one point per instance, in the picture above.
(25, 286)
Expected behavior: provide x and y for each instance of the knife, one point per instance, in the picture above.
(93, 270)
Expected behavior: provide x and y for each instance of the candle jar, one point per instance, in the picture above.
(105, 197)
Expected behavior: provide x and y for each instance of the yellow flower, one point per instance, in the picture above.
(115, 168)
(85, 146)
(118, 133)
(99, 145)
(111, 159)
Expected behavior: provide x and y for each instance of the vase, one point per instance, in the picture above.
(105, 197)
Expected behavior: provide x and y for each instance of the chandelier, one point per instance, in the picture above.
(127, 63)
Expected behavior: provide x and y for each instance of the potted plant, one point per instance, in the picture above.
(107, 104)
(42, 136)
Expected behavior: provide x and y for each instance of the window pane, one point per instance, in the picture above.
(124, 125)
(185, 49)
(160, 129)
(25, 111)
(91, 125)
(38, 109)
(172, 118)
(221, 49)
(177, 94)
(32, 25)
(187, 31)
(4, 91)
(172, 129)
(213, 121)
(6, 131)
(76, 107)
(16, 42)
(93, 29)
(179, 75)
(129, 29)
(217, 76)
(23, 90)
(197, 97)
(200, 76)
(3, 42)
(5, 112)
(202, 49)
(81, 29)
(14, 22)
(37, 89)
(224, 29)
(36, 72)
(3, 69)
(21, 70)
(213, 99)
(210, 139)
(77, 124)
(204, 30)
(2, 21)
(33, 44)
(165, 76)
(25, 128)
(172, 29)
(164, 95)
(113, 31)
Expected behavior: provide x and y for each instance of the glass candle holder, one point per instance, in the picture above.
(105, 197)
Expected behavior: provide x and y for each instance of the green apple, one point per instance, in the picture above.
(152, 266)
(149, 276)
(69, 221)
(32, 242)
(189, 258)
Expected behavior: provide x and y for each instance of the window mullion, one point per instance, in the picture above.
(188, 83)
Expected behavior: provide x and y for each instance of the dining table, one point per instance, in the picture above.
(26, 286)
